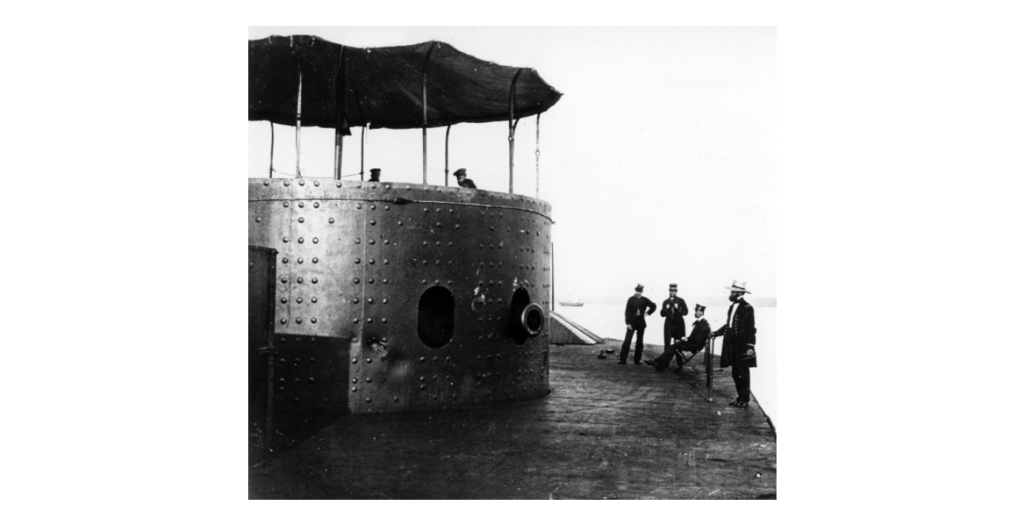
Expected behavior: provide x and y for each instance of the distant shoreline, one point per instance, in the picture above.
(767, 302)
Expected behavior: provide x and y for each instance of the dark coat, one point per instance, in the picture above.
(698, 338)
(673, 310)
(467, 183)
(740, 335)
(635, 311)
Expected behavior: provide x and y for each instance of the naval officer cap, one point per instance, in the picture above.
(672, 287)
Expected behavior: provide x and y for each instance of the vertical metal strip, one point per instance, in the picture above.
(426, 60)
(271, 149)
(339, 113)
(552, 276)
(362, 151)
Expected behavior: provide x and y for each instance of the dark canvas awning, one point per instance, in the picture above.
(383, 86)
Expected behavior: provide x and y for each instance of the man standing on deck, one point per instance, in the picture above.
(673, 309)
(374, 174)
(637, 307)
(460, 175)
(738, 346)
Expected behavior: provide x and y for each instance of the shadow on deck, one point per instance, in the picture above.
(605, 431)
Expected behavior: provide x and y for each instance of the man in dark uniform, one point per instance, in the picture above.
(374, 174)
(738, 346)
(673, 309)
(637, 307)
(693, 344)
(460, 175)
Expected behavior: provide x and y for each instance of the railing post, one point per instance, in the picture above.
(512, 127)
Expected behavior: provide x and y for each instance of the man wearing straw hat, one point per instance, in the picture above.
(637, 307)
(738, 346)
(673, 309)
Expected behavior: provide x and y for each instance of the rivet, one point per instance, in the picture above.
(312, 300)
(286, 204)
(369, 300)
(299, 260)
(337, 184)
(315, 280)
(315, 260)
(386, 241)
(396, 398)
(299, 280)
(369, 320)
(358, 260)
(299, 300)
(388, 187)
(284, 260)
(354, 361)
(369, 380)
(284, 300)
(357, 240)
(385, 301)
(384, 320)
(313, 320)
(287, 183)
(457, 226)
(284, 279)
(369, 359)
(423, 387)
(356, 280)
(385, 281)
(373, 241)
(374, 186)
(298, 320)
(399, 223)
(266, 183)
(438, 210)
(302, 183)
(359, 206)
(385, 261)
(354, 389)
(425, 210)
(301, 240)
(371, 280)
(424, 281)
(425, 243)
(331, 220)
(437, 281)
(384, 339)
(355, 300)
(437, 262)
(258, 219)
(284, 321)
(302, 204)
(355, 320)
(316, 204)
(425, 262)
(371, 260)
(423, 359)
(301, 220)
(285, 239)
(316, 240)
(449, 282)
(373, 223)
(373, 206)
(387, 208)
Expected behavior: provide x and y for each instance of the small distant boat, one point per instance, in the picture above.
(573, 301)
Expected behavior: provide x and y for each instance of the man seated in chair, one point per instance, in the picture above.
(692, 344)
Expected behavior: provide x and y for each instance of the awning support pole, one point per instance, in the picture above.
(362, 151)
(298, 129)
(552, 276)
(425, 61)
(338, 146)
(537, 153)
(271, 150)
(512, 127)
(449, 130)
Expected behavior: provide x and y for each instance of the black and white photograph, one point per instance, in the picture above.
(508, 262)
(512, 263)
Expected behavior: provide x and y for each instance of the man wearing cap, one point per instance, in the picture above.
(673, 309)
(693, 344)
(740, 338)
(637, 307)
(374, 174)
(460, 175)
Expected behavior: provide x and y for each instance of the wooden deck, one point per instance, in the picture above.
(606, 431)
